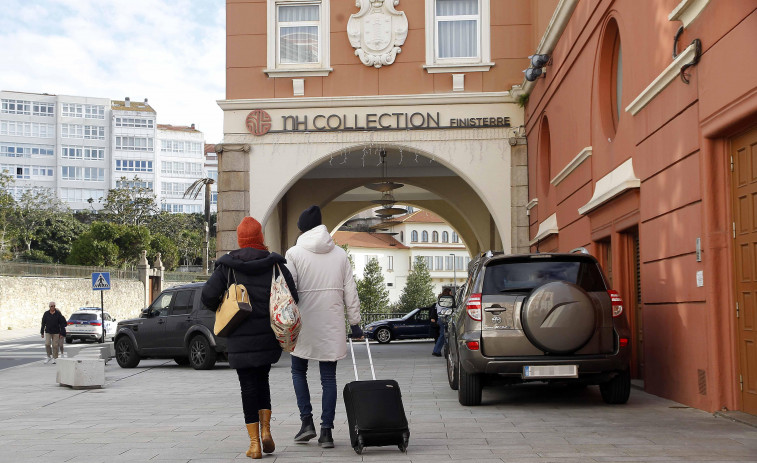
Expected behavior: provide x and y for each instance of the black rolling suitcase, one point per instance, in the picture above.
(375, 413)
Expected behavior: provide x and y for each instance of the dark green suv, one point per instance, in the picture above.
(177, 326)
(538, 317)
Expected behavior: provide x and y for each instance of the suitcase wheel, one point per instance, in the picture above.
(405, 442)
(359, 447)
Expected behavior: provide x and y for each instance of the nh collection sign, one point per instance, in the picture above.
(259, 122)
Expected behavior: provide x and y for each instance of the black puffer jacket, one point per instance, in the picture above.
(253, 343)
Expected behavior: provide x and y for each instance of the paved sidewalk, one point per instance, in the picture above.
(18, 333)
(163, 412)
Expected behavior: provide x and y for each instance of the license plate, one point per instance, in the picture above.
(550, 371)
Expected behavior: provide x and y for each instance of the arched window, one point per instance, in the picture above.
(414, 236)
(455, 238)
(544, 169)
(611, 78)
(424, 236)
(445, 237)
(435, 237)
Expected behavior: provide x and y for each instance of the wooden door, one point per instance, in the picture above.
(744, 185)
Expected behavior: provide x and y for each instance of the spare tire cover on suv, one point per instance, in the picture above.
(559, 317)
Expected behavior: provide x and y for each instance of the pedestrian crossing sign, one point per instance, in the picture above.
(100, 281)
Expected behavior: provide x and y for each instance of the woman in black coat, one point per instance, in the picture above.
(252, 347)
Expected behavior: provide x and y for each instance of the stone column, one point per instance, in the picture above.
(233, 193)
(158, 270)
(519, 195)
(143, 272)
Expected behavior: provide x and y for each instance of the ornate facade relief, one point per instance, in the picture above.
(377, 31)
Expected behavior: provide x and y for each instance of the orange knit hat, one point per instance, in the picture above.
(250, 234)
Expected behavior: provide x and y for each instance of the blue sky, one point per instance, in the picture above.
(169, 51)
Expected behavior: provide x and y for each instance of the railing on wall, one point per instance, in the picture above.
(371, 317)
(77, 271)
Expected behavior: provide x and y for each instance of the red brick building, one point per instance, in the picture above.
(649, 160)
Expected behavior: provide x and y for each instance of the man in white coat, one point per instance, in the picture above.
(323, 277)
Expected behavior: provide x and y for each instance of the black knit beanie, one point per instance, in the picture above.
(309, 219)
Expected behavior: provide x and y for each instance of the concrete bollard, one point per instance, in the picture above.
(81, 373)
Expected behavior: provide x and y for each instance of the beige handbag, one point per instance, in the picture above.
(236, 306)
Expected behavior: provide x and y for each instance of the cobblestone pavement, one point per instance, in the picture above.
(163, 412)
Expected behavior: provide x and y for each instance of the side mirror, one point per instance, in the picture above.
(145, 313)
(446, 301)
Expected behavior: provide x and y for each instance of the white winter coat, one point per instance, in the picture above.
(323, 276)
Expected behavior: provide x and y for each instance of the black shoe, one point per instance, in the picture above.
(436, 354)
(326, 441)
(307, 431)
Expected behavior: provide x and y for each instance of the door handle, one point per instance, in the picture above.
(495, 309)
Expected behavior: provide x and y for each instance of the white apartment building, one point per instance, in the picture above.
(80, 147)
(133, 144)
(182, 161)
(416, 234)
(211, 171)
(59, 142)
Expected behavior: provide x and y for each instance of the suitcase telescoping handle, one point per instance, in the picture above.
(370, 359)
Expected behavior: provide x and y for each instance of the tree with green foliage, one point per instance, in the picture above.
(169, 252)
(131, 205)
(189, 243)
(34, 208)
(371, 289)
(57, 234)
(7, 212)
(418, 290)
(109, 244)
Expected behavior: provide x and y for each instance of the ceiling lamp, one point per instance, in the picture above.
(386, 186)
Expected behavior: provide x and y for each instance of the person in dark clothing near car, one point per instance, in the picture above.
(252, 347)
(53, 324)
(439, 344)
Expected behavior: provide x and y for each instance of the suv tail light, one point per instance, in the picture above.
(95, 323)
(473, 306)
(70, 323)
(617, 303)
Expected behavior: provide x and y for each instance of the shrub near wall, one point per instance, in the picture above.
(23, 300)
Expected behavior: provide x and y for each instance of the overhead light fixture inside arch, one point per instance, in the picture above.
(386, 187)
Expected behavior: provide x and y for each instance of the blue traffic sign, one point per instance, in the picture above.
(100, 281)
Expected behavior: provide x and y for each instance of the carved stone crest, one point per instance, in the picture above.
(377, 31)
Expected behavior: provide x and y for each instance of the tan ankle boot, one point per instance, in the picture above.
(265, 431)
(254, 451)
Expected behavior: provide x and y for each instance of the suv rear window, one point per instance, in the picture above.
(524, 275)
(85, 317)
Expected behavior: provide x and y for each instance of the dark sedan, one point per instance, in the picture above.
(414, 325)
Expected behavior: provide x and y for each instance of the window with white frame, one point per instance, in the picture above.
(448, 262)
(27, 129)
(82, 152)
(414, 236)
(133, 184)
(455, 238)
(71, 110)
(435, 237)
(94, 132)
(136, 122)
(390, 262)
(174, 189)
(23, 107)
(458, 35)
(129, 165)
(134, 143)
(429, 261)
(445, 237)
(439, 264)
(424, 236)
(92, 111)
(25, 151)
(298, 38)
(179, 146)
(90, 174)
(181, 169)
(80, 195)
(71, 131)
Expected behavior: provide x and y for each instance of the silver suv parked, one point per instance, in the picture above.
(537, 317)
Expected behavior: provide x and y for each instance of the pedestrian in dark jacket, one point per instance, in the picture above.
(53, 324)
(252, 347)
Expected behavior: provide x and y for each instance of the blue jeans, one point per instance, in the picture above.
(301, 390)
(440, 341)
